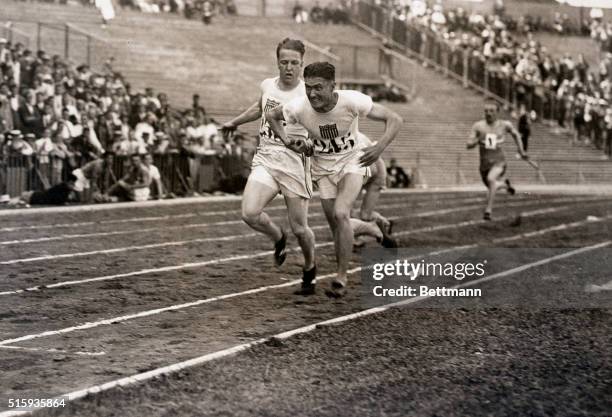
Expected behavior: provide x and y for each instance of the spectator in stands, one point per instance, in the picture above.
(160, 145)
(317, 15)
(46, 87)
(121, 145)
(157, 188)
(198, 110)
(396, 175)
(65, 126)
(300, 15)
(16, 145)
(579, 105)
(207, 12)
(197, 133)
(498, 8)
(151, 100)
(106, 129)
(134, 186)
(524, 126)
(165, 110)
(60, 156)
(3, 124)
(137, 145)
(389, 92)
(5, 53)
(145, 130)
(582, 68)
(608, 133)
(30, 119)
(231, 8)
(139, 112)
(107, 11)
(43, 148)
(6, 113)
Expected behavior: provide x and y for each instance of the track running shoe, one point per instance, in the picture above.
(337, 290)
(388, 241)
(511, 189)
(308, 282)
(280, 251)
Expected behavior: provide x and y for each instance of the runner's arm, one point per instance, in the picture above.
(274, 117)
(252, 113)
(473, 139)
(517, 139)
(393, 124)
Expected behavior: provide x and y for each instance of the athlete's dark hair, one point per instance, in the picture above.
(292, 44)
(320, 69)
(491, 100)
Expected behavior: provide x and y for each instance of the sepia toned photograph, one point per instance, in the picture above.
(305, 208)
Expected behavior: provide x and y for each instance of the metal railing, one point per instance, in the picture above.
(180, 173)
(64, 39)
(463, 64)
(426, 46)
(14, 35)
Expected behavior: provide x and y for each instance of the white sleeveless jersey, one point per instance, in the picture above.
(335, 134)
(288, 168)
(272, 96)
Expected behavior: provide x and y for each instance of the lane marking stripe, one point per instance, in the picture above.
(165, 370)
(167, 217)
(260, 254)
(90, 325)
(233, 237)
(35, 349)
(173, 227)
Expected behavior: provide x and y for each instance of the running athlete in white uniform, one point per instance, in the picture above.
(376, 182)
(276, 168)
(339, 164)
(488, 135)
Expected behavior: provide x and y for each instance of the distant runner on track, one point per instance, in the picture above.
(488, 134)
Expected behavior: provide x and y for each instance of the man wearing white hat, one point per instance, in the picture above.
(4, 51)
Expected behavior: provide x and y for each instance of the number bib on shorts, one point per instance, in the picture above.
(335, 133)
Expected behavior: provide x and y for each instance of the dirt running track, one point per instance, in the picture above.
(119, 292)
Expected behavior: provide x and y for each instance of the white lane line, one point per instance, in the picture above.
(178, 216)
(128, 248)
(176, 227)
(166, 370)
(267, 253)
(591, 288)
(45, 350)
(120, 221)
(414, 300)
(234, 237)
(191, 241)
(412, 192)
(90, 325)
(90, 208)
